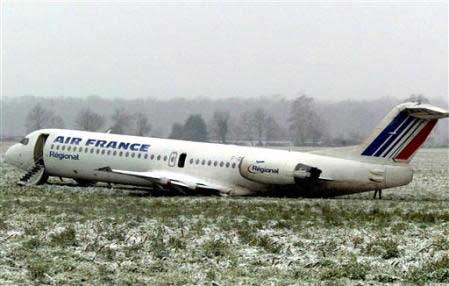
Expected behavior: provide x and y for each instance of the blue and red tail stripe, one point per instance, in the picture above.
(385, 135)
(400, 138)
(417, 141)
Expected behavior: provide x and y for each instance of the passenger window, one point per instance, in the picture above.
(165, 158)
(57, 147)
(92, 151)
(191, 161)
(203, 162)
(227, 165)
(68, 148)
(182, 160)
(109, 152)
(132, 155)
(215, 163)
(152, 156)
(127, 154)
(52, 146)
(197, 161)
(63, 148)
(146, 156)
(139, 155)
(114, 153)
(209, 162)
(221, 164)
(86, 150)
(158, 157)
(233, 165)
(120, 154)
(102, 152)
(98, 151)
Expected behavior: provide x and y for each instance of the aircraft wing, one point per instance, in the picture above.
(169, 178)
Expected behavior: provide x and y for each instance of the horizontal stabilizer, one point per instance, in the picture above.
(426, 111)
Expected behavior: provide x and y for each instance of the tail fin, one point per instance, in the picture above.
(402, 131)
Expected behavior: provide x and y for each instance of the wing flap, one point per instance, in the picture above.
(166, 178)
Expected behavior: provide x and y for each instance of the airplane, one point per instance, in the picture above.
(380, 162)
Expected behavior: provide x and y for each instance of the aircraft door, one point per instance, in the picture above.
(39, 148)
(172, 159)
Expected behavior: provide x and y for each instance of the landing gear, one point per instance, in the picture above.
(377, 193)
(85, 183)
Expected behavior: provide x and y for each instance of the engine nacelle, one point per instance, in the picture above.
(266, 171)
(277, 172)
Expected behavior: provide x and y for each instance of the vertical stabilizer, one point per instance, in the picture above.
(402, 131)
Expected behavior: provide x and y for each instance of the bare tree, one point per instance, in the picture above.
(39, 117)
(260, 117)
(89, 120)
(273, 130)
(245, 128)
(143, 127)
(305, 124)
(221, 124)
(121, 122)
(56, 121)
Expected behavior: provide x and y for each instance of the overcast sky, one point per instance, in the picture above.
(327, 51)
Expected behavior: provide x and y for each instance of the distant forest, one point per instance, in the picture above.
(268, 120)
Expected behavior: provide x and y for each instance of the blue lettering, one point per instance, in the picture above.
(62, 156)
(134, 147)
(100, 143)
(75, 141)
(59, 139)
(112, 144)
(144, 148)
(123, 145)
(90, 142)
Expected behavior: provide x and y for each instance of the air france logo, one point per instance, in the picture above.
(255, 169)
(103, 143)
(63, 156)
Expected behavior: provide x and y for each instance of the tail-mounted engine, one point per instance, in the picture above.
(304, 174)
(276, 172)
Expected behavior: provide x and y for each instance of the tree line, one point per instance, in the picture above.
(257, 127)
(300, 121)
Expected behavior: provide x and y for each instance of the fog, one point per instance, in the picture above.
(153, 69)
(139, 50)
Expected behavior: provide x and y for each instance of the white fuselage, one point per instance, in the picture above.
(236, 169)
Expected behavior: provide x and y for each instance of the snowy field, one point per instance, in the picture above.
(61, 234)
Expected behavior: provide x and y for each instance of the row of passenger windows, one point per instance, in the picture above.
(214, 163)
(139, 155)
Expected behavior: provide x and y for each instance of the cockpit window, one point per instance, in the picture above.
(24, 141)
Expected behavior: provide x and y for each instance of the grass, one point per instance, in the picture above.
(61, 234)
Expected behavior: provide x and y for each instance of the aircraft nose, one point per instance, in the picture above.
(11, 155)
